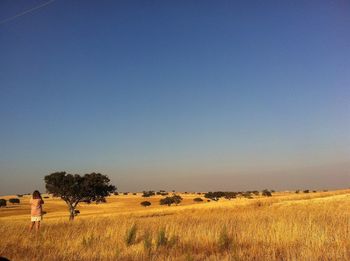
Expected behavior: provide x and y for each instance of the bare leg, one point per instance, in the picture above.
(31, 226)
(37, 227)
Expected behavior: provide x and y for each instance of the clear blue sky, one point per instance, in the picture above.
(185, 95)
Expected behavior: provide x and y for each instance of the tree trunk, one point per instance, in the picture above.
(71, 212)
(71, 215)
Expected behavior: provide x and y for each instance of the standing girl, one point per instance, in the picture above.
(36, 210)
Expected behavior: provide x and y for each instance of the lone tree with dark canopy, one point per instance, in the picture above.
(73, 189)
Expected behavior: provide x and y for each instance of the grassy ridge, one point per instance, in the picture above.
(284, 227)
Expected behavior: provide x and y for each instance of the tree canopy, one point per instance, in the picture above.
(73, 188)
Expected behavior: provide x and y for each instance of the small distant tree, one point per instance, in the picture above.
(247, 195)
(297, 191)
(175, 199)
(230, 195)
(255, 192)
(266, 193)
(166, 201)
(14, 200)
(19, 195)
(125, 193)
(214, 195)
(115, 193)
(145, 203)
(74, 189)
(198, 200)
(306, 191)
(3, 202)
(162, 193)
(147, 194)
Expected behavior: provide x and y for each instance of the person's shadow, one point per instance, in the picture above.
(4, 258)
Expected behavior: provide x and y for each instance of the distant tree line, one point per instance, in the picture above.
(231, 194)
(3, 202)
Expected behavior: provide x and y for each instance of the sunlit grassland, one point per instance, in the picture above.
(287, 226)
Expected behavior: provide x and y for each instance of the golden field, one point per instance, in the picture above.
(286, 226)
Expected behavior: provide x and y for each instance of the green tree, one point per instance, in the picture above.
(266, 193)
(73, 189)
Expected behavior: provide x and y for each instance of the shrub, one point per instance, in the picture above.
(46, 197)
(3, 202)
(145, 203)
(14, 200)
(306, 191)
(125, 193)
(19, 195)
(297, 191)
(198, 200)
(266, 193)
(130, 236)
(116, 193)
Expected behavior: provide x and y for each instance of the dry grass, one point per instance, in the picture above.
(288, 226)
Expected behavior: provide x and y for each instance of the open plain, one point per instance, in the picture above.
(286, 226)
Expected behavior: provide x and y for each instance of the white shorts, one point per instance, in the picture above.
(36, 218)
